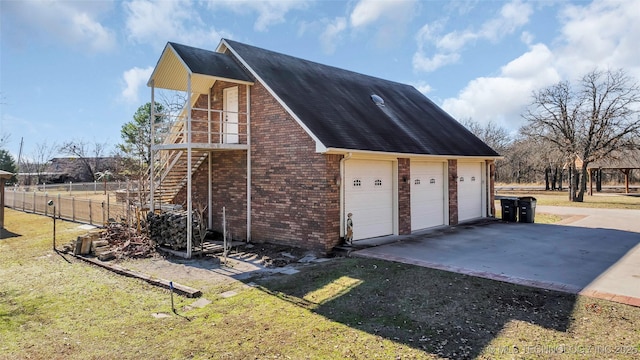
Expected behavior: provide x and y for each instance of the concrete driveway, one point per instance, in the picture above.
(593, 252)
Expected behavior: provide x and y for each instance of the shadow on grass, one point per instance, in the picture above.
(6, 234)
(439, 312)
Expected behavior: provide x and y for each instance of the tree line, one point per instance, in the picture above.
(569, 125)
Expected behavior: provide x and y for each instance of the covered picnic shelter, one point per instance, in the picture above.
(625, 162)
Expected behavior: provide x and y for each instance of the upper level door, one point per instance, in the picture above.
(230, 108)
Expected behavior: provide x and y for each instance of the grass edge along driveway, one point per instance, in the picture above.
(345, 308)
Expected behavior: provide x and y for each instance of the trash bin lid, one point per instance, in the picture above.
(527, 198)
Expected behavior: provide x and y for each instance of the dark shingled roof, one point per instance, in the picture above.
(207, 62)
(336, 106)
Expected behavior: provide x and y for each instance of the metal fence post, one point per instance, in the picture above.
(59, 207)
(46, 211)
(73, 208)
(34, 202)
(90, 215)
(103, 219)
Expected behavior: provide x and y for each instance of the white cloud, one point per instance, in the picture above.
(270, 12)
(70, 22)
(601, 34)
(423, 87)
(134, 79)
(420, 61)
(158, 22)
(369, 11)
(448, 47)
(503, 97)
(331, 34)
(390, 18)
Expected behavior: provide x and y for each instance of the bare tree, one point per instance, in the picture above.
(39, 160)
(89, 154)
(492, 134)
(587, 123)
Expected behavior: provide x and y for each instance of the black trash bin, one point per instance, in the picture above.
(527, 209)
(509, 209)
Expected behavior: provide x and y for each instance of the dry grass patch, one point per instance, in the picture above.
(344, 308)
(604, 201)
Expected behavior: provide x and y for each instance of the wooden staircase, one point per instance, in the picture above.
(173, 174)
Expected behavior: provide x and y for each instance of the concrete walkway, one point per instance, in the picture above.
(592, 252)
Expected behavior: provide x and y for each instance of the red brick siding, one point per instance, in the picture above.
(404, 196)
(492, 187)
(295, 199)
(453, 191)
(200, 125)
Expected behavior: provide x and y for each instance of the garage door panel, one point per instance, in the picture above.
(369, 197)
(469, 191)
(427, 195)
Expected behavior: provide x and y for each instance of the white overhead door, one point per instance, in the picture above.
(369, 197)
(427, 195)
(469, 191)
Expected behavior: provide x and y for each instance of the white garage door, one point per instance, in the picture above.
(369, 197)
(469, 191)
(427, 195)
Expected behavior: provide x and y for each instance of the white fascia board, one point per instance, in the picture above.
(371, 153)
(320, 147)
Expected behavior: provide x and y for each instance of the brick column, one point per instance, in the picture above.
(453, 191)
(492, 187)
(404, 197)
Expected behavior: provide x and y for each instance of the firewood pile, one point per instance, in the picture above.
(170, 229)
(125, 241)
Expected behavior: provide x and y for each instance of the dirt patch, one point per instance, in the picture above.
(210, 271)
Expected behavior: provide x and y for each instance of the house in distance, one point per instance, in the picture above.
(290, 147)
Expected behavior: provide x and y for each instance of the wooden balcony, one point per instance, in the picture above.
(210, 130)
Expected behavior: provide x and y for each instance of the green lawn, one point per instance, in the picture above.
(52, 308)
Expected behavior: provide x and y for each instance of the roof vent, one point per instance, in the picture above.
(377, 100)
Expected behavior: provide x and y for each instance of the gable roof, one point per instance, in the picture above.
(336, 107)
(205, 67)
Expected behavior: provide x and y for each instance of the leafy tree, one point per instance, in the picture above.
(136, 136)
(588, 121)
(7, 163)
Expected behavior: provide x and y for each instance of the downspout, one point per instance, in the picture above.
(346, 157)
(189, 202)
(209, 175)
(248, 163)
(151, 157)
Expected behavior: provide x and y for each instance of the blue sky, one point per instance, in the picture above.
(77, 70)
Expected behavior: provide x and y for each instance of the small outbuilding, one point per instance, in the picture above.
(286, 150)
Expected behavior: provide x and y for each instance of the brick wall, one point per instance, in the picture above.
(404, 196)
(295, 198)
(492, 187)
(200, 123)
(453, 191)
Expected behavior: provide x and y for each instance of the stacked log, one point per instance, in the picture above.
(170, 229)
(125, 241)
